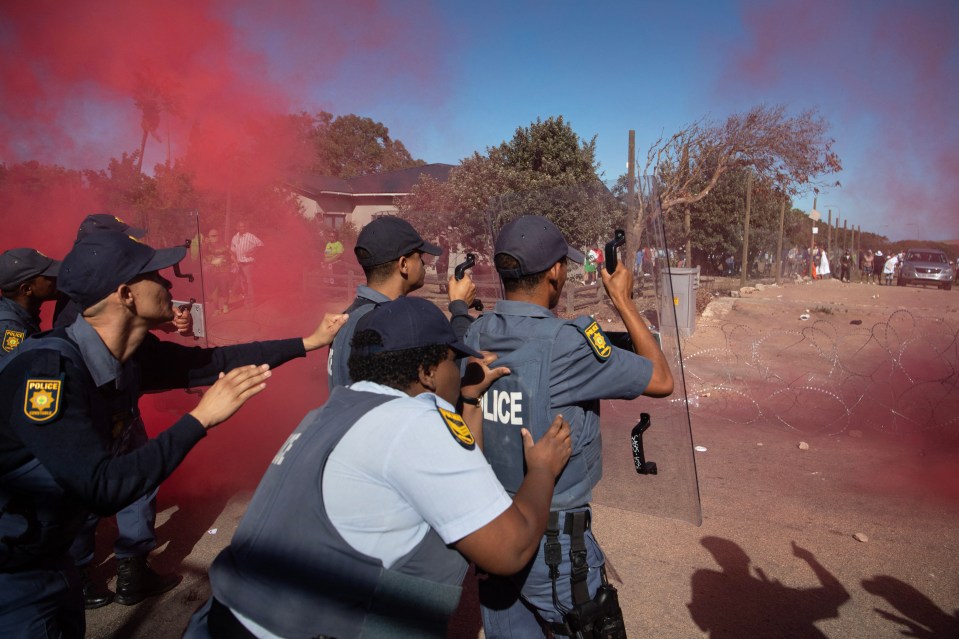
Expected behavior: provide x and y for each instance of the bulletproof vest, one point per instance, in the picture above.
(290, 571)
(522, 400)
(337, 363)
(38, 520)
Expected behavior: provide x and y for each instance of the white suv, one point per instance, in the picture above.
(926, 266)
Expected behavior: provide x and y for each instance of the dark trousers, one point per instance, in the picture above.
(45, 602)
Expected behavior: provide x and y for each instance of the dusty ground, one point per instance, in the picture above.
(868, 381)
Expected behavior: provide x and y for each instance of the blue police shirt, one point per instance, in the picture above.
(16, 324)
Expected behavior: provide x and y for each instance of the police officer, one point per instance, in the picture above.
(28, 278)
(68, 399)
(306, 562)
(391, 253)
(136, 522)
(557, 366)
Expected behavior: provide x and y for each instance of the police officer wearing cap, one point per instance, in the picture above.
(391, 253)
(28, 278)
(306, 562)
(66, 310)
(136, 522)
(69, 397)
(557, 366)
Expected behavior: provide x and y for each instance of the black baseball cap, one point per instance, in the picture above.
(388, 238)
(21, 264)
(409, 322)
(107, 222)
(102, 261)
(535, 243)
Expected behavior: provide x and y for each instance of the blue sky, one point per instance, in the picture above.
(884, 74)
(451, 78)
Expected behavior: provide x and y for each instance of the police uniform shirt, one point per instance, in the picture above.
(409, 472)
(337, 368)
(577, 374)
(578, 379)
(16, 324)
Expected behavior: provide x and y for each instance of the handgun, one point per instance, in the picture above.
(619, 238)
(460, 271)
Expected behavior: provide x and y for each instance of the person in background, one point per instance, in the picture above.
(243, 246)
(889, 268)
(332, 254)
(845, 263)
(216, 270)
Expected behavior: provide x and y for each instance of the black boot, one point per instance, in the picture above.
(136, 581)
(93, 595)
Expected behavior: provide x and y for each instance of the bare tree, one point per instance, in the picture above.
(790, 153)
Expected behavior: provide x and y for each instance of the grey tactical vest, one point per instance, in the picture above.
(289, 570)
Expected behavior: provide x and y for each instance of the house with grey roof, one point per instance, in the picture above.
(358, 200)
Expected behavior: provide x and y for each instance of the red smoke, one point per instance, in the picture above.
(884, 74)
(215, 73)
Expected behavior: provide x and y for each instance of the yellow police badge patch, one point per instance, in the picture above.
(597, 339)
(458, 428)
(12, 339)
(41, 403)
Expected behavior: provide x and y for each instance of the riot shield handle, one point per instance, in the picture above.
(643, 467)
(460, 271)
(612, 261)
(176, 267)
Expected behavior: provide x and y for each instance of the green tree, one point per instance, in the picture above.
(544, 169)
(350, 145)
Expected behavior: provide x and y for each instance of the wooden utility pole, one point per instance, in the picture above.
(812, 241)
(829, 233)
(779, 244)
(633, 234)
(689, 242)
(744, 269)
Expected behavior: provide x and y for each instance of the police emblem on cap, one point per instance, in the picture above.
(597, 340)
(41, 403)
(458, 428)
(12, 339)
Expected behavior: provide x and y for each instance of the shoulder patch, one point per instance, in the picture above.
(12, 339)
(597, 340)
(41, 401)
(458, 428)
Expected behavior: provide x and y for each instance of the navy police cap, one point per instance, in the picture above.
(22, 264)
(106, 222)
(409, 322)
(388, 238)
(100, 262)
(535, 243)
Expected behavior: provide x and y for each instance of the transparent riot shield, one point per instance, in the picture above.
(590, 215)
(648, 463)
(182, 228)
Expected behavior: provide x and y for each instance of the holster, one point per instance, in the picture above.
(599, 617)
